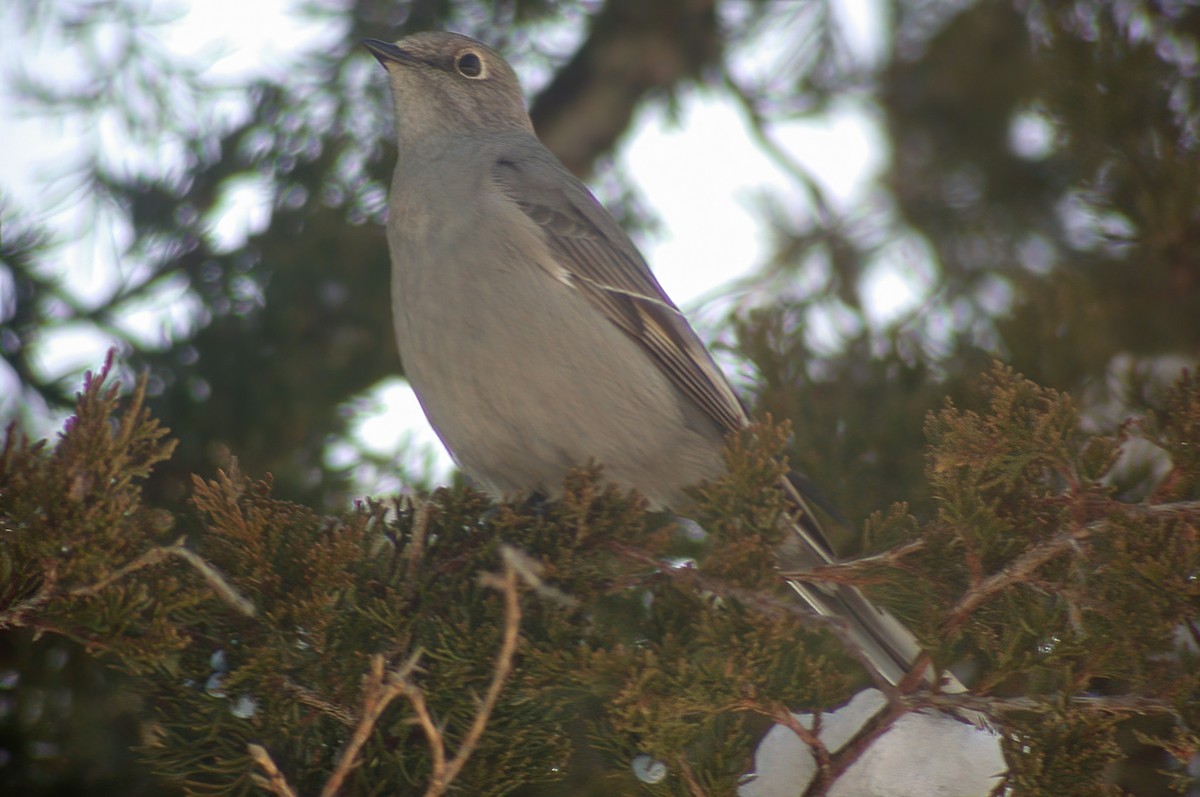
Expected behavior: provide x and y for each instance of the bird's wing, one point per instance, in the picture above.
(598, 259)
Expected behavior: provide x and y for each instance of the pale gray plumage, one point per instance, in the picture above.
(532, 330)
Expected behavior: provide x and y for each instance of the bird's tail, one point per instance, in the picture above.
(889, 647)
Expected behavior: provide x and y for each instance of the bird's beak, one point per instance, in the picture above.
(387, 53)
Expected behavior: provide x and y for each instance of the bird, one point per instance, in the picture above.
(534, 333)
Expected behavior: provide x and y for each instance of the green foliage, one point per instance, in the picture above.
(743, 510)
(1030, 568)
(1070, 757)
(1048, 584)
(1174, 429)
(638, 659)
(73, 518)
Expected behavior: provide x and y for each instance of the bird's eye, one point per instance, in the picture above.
(469, 65)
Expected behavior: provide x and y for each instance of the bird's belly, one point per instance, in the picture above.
(533, 381)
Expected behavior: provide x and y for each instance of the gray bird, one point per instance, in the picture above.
(530, 327)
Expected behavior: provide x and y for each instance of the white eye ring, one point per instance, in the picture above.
(470, 65)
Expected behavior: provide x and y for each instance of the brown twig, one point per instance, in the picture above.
(847, 572)
(530, 571)
(995, 706)
(307, 697)
(1020, 569)
(223, 588)
(506, 583)
(830, 765)
(1023, 567)
(774, 150)
(875, 726)
(414, 551)
(689, 779)
(1189, 624)
(1173, 508)
(158, 555)
(809, 736)
(380, 688)
(769, 606)
(274, 781)
(151, 557)
(14, 615)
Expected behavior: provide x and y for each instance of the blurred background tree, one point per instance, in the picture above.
(1040, 196)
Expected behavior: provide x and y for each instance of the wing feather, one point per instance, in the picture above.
(600, 260)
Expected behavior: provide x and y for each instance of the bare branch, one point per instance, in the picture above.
(274, 781)
(762, 136)
(877, 725)
(507, 585)
(996, 706)
(1173, 508)
(154, 556)
(307, 697)
(379, 690)
(689, 779)
(414, 552)
(223, 588)
(846, 572)
(530, 572)
(15, 615)
(1020, 569)
(433, 737)
(151, 557)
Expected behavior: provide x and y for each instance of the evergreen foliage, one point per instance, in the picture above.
(263, 630)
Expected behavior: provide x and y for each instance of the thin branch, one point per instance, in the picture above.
(14, 615)
(770, 606)
(223, 588)
(379, 690)
(274, 781)
(150, 558)
(530, 571)
(414, 551)
(307, 697)
(433, 734)
(774, 150)
(1173, 508)
(809, 736)
(845, 572)
(162, 553)
(507, 585)
(690, 780)
(831, 765)
(996, 706)
(1019, 570)
(1189, 624)
(876, 725)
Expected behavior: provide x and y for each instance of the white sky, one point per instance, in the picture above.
(700, 174)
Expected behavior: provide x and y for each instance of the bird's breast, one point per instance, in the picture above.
(522, 376)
